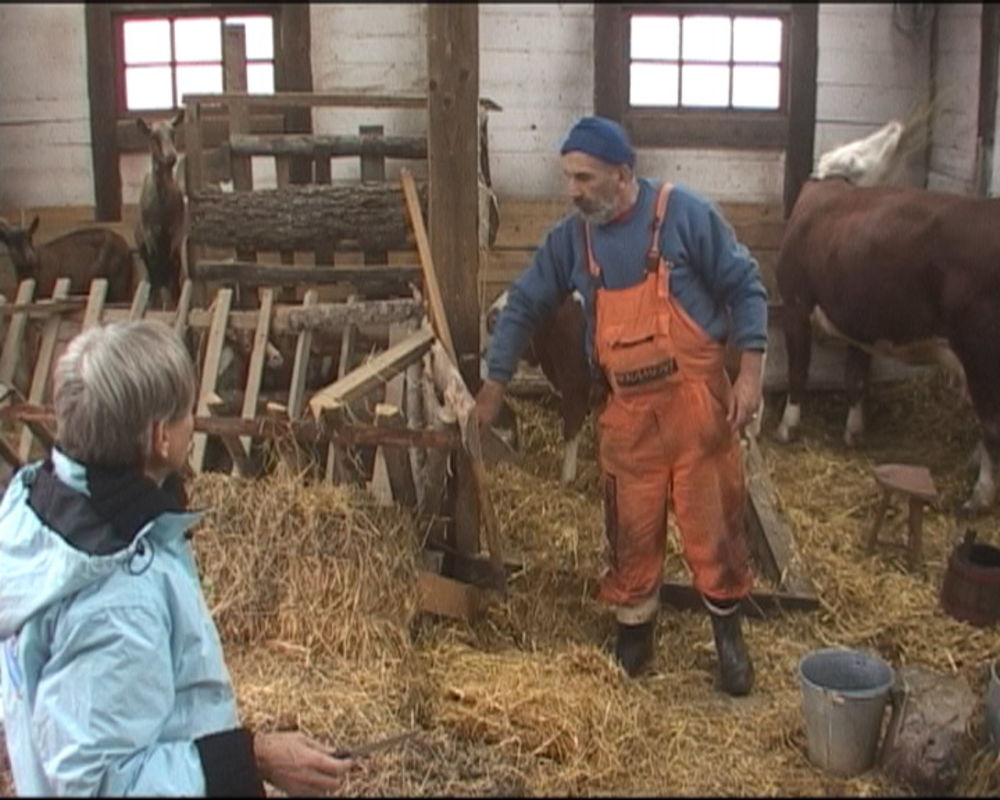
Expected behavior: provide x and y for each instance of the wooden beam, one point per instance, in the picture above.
(366, 377)
(303, 349)
(445, 597)
(12, 344)
(759, 604)
(453, 170)
(255, 372)
(249, 273)
(397, 461)
(43, 365)
(267, 428)
(210, 370)
(439, 318)
(801, 69)
(103, 98)
(769, 527)
(300, 217)
(986, 120)
(297, 144)
(286, 99)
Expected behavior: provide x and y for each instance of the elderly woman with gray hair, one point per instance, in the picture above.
(113, 677)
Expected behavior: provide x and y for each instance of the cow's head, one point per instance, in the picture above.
(20, 243)
(162, 141)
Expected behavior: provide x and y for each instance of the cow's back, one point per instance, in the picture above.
(886, 263)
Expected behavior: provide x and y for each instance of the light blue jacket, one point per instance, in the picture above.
(111, 664)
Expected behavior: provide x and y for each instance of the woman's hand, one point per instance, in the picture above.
(299, 765)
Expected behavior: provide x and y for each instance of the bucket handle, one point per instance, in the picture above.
(899, 693)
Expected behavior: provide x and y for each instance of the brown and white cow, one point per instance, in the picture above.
(896, 271)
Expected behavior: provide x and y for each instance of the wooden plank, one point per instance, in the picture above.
(140, 300)
(43, 364)
(255, 372)
(101, 66)
(373, 170)
(758, 605)
(366, 377)
(396, 461)
(269, 428)
(433, 290)
(210, 370)
(283, 172)
(280, 100)
(445, 597)
(772, 529)
(319, 146)
(95, 303)
(381, 483)
(180, 321)
(303, 347)
(249, 273)
(233, 444)
(12, 345)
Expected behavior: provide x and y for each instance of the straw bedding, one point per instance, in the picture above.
(312, 588)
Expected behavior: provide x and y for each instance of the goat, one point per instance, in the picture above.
(80, 255)
(160, 229)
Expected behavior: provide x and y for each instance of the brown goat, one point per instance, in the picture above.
(80, 255)
(160, 229)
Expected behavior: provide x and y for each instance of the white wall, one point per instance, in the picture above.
(868, 72)
(45, 153)
(536, 61)
(953, 152)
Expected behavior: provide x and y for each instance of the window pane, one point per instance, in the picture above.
(706, 38)
(655, 37)
(653, 85)
(757, 39)
(147, 41)
(260, 78)
(147, 88)
(756, 87)
(260, 36)
(198, 39)
(198, 80)
(705, 86)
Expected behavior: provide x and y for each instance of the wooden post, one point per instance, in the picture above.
(256, 369)
(453, 171)
(373, 169)
(235, 80)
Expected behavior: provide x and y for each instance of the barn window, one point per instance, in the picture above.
(708, 75)
(162, 58)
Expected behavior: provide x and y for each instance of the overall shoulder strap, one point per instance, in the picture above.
(659, 214)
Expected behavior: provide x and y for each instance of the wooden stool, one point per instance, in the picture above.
(917, 484)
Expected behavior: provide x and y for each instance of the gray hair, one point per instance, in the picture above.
(112, 383)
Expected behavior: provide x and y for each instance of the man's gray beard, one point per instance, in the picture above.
(601, 216)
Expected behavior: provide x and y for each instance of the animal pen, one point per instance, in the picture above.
(520, 699)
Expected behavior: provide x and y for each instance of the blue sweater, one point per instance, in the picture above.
(712, 276)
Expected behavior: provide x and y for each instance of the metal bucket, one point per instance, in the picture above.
(993, 708)
(844, 694)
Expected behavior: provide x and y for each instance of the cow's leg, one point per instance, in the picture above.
(856, 369)
(974, 344)
(798, 343)
(569, 460)
(985, 491)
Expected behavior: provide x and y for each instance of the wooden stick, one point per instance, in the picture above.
(255, 372)
(438, 317)
(43, 365)
(210, 370)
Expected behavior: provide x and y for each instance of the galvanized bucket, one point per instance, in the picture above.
(844, 695)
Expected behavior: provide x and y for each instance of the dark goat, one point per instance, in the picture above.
(160, 230)
(80, 255)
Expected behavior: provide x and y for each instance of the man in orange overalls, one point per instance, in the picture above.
(665, 286)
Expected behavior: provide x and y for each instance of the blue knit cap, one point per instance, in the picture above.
(601, 138)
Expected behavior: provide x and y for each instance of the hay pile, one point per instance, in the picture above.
(313, 592)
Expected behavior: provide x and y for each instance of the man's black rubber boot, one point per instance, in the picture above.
(735, 667)
(634, 647)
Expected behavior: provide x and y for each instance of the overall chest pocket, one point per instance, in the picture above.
(638, 354)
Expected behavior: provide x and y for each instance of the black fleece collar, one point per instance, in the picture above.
(121, 503)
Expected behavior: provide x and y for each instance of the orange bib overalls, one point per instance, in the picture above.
(663, 439)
